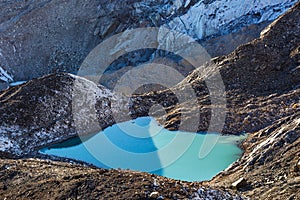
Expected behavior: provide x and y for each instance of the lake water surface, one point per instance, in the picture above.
(143, 145)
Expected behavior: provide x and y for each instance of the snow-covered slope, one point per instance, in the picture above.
(59, 106)
(218, 17)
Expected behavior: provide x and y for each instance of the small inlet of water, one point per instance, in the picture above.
(143, 145)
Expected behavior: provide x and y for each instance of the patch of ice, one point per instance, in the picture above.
(187, 3)
(4, 76)
(16, 83)
(203, 20)
(177, 4)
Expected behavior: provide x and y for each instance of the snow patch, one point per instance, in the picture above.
(187, 3)
(8, 145)
(84, 84)
(4, 76)
(7, 139)
(17, 83)
(5, 143)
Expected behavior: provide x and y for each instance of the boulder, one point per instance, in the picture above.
(239, 184)
(297, 167)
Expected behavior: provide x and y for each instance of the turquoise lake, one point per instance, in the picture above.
(143, 145)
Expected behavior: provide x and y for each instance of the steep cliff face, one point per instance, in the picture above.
(221, 26)
(48, 36)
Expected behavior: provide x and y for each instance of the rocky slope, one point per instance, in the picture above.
(270, 166)
(261, 79)
(48, 36)
(255, 75)
(263, 94)
(48, 115)
(36, 179)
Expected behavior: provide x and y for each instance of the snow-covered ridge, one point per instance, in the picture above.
(219, 17)
(59, 106)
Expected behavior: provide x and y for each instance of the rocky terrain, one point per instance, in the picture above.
(36, 179)
(261, 80)
(49, 36)
(270, 165)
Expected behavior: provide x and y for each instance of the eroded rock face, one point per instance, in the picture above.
(3, 85)
(49, 36)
